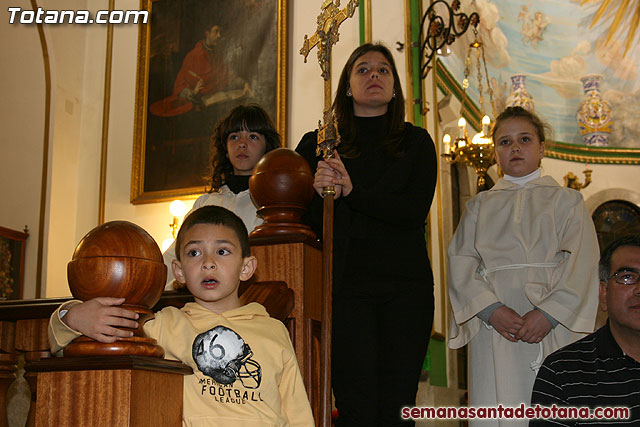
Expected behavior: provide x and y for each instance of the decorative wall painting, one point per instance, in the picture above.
(551, 44)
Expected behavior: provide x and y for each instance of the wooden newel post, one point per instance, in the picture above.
(325, 37)
(115, 259)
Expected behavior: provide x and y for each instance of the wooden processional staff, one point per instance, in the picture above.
(325, 37)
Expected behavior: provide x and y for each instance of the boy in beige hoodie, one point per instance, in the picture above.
(245, 368)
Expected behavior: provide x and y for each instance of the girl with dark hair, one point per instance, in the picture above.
(238, 142)
(384, 173)
(523, 274)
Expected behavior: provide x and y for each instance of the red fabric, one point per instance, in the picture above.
(206, 66)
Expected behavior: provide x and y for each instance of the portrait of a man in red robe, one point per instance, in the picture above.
(205, 58)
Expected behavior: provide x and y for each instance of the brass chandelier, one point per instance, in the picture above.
(477, 152)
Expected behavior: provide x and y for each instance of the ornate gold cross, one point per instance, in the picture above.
(325, 37)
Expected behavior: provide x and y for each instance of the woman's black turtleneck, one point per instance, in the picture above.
(379, 230)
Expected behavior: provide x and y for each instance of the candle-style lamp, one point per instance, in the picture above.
(177, 209)
(571, 180)
(462, 138)
(446, 144)
(476, 152)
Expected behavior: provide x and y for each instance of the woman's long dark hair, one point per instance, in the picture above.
(343, 107)
(251, 118)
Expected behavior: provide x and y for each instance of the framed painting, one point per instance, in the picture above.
(12, 250)
(549, 50)
(198, 59)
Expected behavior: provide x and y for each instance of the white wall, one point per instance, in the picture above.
(604, 178)
(67, 46)
(22, 108)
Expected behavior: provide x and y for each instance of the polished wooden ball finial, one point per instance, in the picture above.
(282, 187)
(118, 259)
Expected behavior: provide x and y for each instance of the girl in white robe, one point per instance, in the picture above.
(238, 142)
(523, 270)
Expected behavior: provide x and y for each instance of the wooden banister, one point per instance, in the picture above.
(23, 333)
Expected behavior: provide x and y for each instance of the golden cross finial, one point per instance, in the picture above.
(325, 37)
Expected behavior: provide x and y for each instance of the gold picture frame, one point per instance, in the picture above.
(12, 254)
(243, 60)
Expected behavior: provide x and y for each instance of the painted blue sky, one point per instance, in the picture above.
(551, 43)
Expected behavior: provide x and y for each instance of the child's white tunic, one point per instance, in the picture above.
(526, 247)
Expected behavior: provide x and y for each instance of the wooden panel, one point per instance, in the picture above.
(313, 279)
(109, 398)
(276, 297)
(157, 399)
(31, 335)
(314, 370)
(83, 398)
(299, 265)
(7, 336)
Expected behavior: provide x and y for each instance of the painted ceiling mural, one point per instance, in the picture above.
(551, 43)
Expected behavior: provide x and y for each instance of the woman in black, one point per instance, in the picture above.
(384, 173)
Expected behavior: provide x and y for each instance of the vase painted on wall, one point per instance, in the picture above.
(519, 96)
(594, 115)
